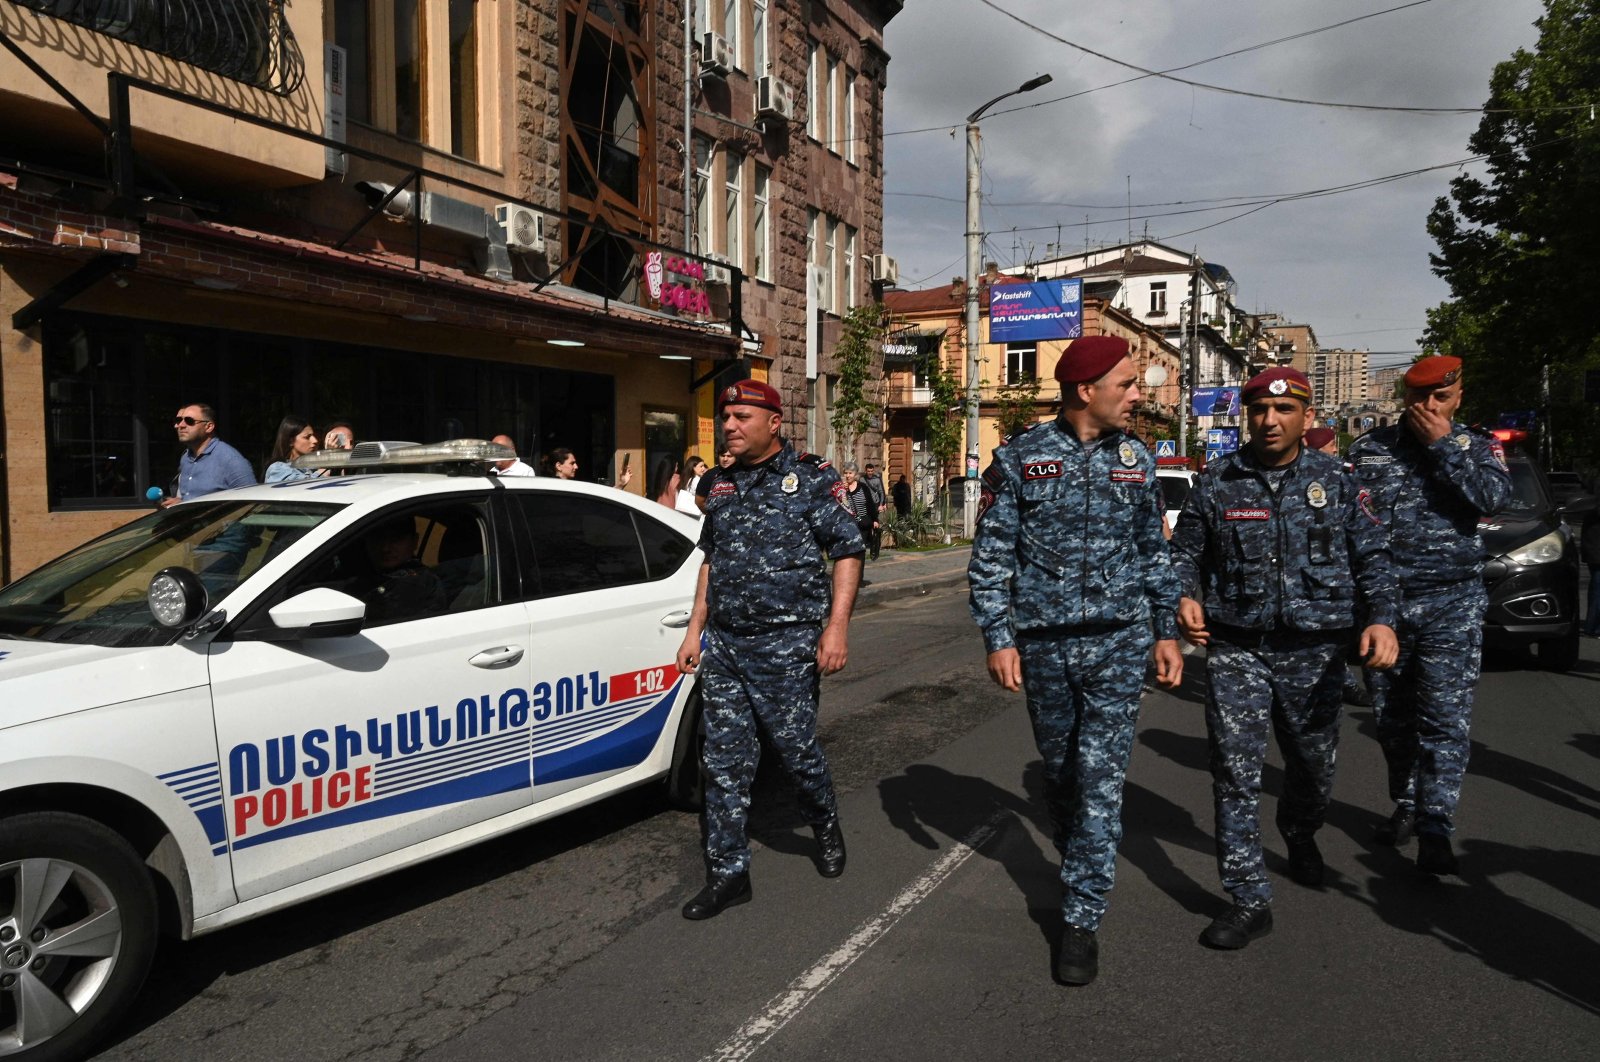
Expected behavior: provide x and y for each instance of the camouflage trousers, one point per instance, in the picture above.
(1083, 698)
(768, 681)
(1293, 683)
(1424, 705)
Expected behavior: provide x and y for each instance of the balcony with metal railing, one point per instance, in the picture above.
(249, 41)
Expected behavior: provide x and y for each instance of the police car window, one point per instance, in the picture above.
(1174, 490)
(579, 544)
(1527, 496)
(96, 595)
(665, 550)
(411, 563)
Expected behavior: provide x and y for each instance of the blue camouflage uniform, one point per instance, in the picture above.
(1277, 568)
(1431, 497)
(768, 592)
(1070, 567)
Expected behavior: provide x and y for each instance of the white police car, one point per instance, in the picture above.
(250, 699)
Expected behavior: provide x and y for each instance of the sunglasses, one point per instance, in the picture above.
(188, 422)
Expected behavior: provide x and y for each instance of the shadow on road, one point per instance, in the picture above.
(927, 798)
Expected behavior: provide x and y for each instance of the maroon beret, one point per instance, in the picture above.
(1280, 381)
(1441, 370)
(750, 393)
(1317, 438)
(1087, 359)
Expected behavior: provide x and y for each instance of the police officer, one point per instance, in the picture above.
(1272, 546)
(763, 606)
(1431, 478)
(1072, 583)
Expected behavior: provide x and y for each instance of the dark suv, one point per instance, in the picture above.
(1532, 567)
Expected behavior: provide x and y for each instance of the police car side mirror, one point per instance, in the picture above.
(320, 612)
(1582, 505)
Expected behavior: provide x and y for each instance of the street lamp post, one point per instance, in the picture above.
(969, 509)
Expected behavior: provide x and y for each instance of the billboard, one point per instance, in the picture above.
(1215, 401)
(1022, 312)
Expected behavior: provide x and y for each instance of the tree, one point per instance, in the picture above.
(1018, 406)
(947, 402)
(1517, 246)
(860, 346)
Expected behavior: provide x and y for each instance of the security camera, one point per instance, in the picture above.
(375, 192)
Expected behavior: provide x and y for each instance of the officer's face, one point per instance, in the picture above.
(1276, 427)
(1112, 397)
(1443, 401)
(750, 431)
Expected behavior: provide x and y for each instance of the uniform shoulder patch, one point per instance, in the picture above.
(1009, 439)
(816, 460)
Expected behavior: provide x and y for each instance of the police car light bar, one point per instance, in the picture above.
(1509, 434)
(380, 455)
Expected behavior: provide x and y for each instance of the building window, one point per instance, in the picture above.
(758, 37)
(834, 90)
(703, 152)
(761, 224)
(818, 95)
(849, 110)
(1158, 298)
(730, 28)
(1022, 362)
(732, 208)
(829, 261)
(849, 271)
(420, 69)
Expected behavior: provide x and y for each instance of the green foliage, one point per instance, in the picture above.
(946, 404)
(915, 528)
(860, 343)
(1019, 406)
(1517, 244)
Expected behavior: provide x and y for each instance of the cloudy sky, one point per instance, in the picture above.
(1354, 266)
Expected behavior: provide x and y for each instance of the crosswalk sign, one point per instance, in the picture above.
(1166, 448)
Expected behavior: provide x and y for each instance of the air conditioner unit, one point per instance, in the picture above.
(524, 228)
(719, 270)
(774, 99)
(885, 270)
(715, 55)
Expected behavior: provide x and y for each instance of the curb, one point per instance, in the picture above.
(879, 594)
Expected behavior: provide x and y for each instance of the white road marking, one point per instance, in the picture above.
(803, 989)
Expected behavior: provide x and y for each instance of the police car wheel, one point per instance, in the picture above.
(686, 784)
(77, 933)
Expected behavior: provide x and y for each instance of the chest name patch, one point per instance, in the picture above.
(1127, 475)
(1041, 470)
(1247, 514)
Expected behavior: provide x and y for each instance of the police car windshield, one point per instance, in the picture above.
(96, 595)
(1527, 493)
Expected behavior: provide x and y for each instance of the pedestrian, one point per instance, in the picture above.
(902, 497)
(768, 622)
(694, 467)
(880, 501)
(664, 482)
(1323, 440)
(703, 487)
(1074, 590)
(208, 464)
(1589, 545)
(1431, 479)
(514, 468)
(339, 436)
(1273, 545)
(859, 500)
(295, 438)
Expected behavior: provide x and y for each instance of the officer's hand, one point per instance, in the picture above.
(1428, 426)
(1192, 622)
(689, 654)
(1169, 663)
(1379, 647)
(1005, 667)
(833, 649)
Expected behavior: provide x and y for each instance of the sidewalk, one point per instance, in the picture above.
(895, 574)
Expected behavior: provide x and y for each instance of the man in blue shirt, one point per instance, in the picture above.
(208, 464)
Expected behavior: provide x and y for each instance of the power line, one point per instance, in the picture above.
(1263, 95)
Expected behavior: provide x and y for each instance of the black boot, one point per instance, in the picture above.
(718, 895)
(1305, 863)
(1434, 854)
(830, 849)
(1397, 829)
(1078, 961)
(1237, 926)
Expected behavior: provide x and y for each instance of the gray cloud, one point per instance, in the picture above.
(1346, 263)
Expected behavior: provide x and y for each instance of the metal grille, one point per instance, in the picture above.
(245, 40)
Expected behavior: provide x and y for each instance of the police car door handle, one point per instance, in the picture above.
(675, 619)
(502, 656)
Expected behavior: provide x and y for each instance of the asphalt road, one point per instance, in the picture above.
(564, 940)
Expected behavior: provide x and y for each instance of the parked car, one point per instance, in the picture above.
(254, 698)
(1532, 569)
(1565, 487)
(1175, 486)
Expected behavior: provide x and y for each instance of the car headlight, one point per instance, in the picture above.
(1543, 550)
